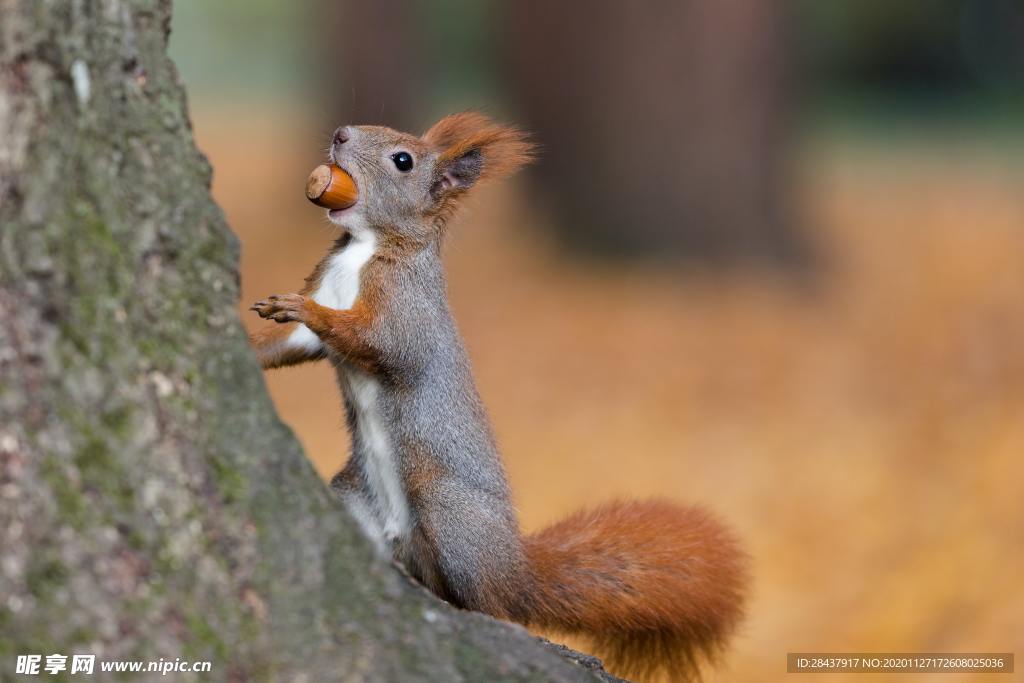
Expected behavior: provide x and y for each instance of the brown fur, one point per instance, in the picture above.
(420, 480)
(503, 150)
(345, 332)
(655, 586)
(266, 342)
(348, 332)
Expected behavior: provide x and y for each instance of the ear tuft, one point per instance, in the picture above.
(473, 147)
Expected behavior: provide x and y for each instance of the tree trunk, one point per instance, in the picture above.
(152, 505)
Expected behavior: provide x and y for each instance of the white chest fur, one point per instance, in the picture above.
(387, 506)
(339, 284)
(385, 515)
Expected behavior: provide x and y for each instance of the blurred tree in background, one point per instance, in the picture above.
(663, 131)
(384, 57)
(927, 58)
(404, 64)
(666, 127)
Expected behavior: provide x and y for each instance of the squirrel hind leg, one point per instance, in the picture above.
(348, 485)
(490, 577)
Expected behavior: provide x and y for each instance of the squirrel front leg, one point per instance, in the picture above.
(279, 346)
(346, 333)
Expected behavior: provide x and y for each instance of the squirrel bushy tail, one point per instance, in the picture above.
(655, 587)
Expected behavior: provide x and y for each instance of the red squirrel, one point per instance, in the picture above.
(655, 586)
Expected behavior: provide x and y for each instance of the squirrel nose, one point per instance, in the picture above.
(341, 135)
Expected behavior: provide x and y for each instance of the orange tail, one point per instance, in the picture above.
(657, 588)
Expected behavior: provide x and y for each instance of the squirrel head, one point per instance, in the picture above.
(410, 186)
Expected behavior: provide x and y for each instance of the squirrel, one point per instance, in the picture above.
(656, 587)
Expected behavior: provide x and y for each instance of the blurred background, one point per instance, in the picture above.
(771, 260)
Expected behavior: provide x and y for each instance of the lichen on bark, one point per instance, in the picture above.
(152, 505)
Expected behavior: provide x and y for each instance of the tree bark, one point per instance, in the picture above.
(152, 505)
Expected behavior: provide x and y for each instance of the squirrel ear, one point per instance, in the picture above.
(472, 148)
(459, 173)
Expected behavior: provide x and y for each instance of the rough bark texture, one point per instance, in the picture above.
(151, 502)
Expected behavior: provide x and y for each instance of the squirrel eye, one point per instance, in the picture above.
(403, 161)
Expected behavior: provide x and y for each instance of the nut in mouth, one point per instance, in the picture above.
(332, 188)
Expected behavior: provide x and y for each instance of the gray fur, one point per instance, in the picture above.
(432, 409)
(427, 397)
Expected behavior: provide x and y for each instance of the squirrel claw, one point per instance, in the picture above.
(281, 308)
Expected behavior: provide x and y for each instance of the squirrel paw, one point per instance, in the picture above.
(282, 308)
